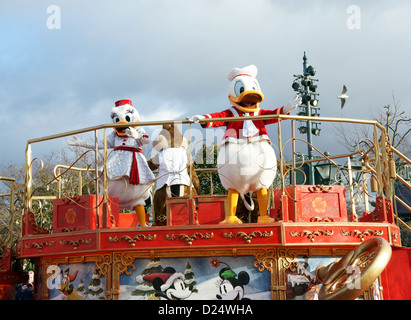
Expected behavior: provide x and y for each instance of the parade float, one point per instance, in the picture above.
(318, 227)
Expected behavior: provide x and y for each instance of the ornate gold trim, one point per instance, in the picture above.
(39, 246)
(311, 234)
(362, 235)
(66, 229)
(103, 265)
(319, 188)
(190, 239)
(132, 240)
(248, 237)
(319, 219)
(76, 243)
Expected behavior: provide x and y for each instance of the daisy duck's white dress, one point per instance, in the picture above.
(129, 176)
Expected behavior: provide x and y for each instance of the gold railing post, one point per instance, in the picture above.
(12, 213)
(385, 167)
(190, 164)
(80, 184)
(28, 179)
(351, 186)
(58, 182)
(105, 181)
(97, 186)
(293, 165)
(280, 157)
(378, 162)
(365, 186)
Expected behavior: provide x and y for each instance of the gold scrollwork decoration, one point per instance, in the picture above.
(287, 259)
(395, 235)
(265, 260)
(319, 188)
(132, 240)
(103, 265)
(124, 263)
(66, 229)
(76, 243)
(362, 235)
(312, 234)
(190, 239)
(319, 219)
(39, 246)
(248, 237)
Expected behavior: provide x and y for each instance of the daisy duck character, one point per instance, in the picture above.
(246, 161)
(129, 176)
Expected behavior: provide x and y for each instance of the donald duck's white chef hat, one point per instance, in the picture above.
(250, 71)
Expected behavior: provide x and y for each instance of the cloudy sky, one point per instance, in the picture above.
(171, 58)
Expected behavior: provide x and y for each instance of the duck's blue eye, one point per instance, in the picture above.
(238, 88)
(115, 118)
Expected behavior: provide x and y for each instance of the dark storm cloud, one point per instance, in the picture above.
(172, 57)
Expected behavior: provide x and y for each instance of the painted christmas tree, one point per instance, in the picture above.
(145, 288)
(81, 288)
(189, 278)
(95, 288)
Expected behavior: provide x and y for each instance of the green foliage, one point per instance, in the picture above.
(206, 161)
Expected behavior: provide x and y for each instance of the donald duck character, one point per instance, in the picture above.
(246, 161)
(129, 176)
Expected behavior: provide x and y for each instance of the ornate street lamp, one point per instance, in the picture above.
(305, 85)
(326, 172)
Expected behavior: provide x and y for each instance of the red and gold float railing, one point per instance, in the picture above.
(377, 164)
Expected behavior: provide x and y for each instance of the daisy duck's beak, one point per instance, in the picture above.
(124, 112)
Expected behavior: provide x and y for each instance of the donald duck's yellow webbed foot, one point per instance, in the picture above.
(231, 220)
(265, 219)
(262, 196)
(141, 216)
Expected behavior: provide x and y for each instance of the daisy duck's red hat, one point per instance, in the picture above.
(123, 102)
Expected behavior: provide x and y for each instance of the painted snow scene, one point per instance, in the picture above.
(303, 285)
(199, 278)
(76, 281)
(301, 282)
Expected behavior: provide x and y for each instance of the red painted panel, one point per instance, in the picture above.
(332, 233)
(315, 203)
(68, 242)
(178, 211)
(183, 237)
(211, 209)
(79, 213)
(198, 210)
(128, 220)
(396, 278)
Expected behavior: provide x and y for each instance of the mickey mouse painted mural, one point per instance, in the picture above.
(230, 285)
(169, 284)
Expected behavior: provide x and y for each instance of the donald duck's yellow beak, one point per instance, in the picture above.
(248, 100)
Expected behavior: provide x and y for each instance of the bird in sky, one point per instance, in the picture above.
(343, 97)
